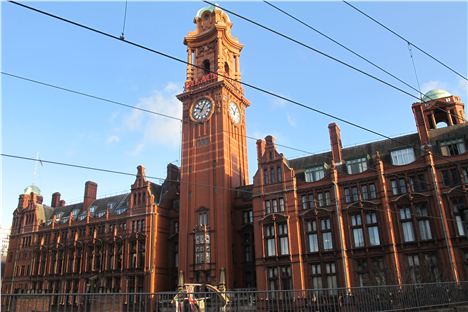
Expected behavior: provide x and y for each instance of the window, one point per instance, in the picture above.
(265, 176)
(402, 156)
(312, 236)
(417, 183)
(269, 236)
(202, 247)
(247, 216)
(323, 199)
(366, 191)
(283, 238)
(316, 276)
(314, 174)
(272, 175)
(100, 214)
(286, 282)
(398, 186)
(280, 174)
(203, 218)
(272, 279)
(414, 268)
(330, 271)
(206, 67)
(325, 226)
(452, 147)
(423, 223)
(370, 272)
(356, 225)
(274, 205)
(407, 224)
(372, 229)
(356, 165)
(450, 177)
(75, 212)
(92, 209)
(307, 201)
(461, 215)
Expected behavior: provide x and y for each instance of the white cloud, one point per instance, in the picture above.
(291, 121)
(112, 139)
(156, 129)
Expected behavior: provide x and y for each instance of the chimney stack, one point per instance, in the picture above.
(55, 200)
(89, 194)
(335, 141)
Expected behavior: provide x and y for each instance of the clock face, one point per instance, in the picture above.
(234, 112)
(202, 109)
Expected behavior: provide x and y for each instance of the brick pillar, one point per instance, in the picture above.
(89, 194)
(421, 125)
(453, 264)
(335, 142)
(55, 200)
(388, 216)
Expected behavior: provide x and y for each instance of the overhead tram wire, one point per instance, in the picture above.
(178, 181)
(340, 44)
(405, 40)
(100, 98)
(265, 91)
(271, 93)
(81, 93)
(362, 57)
(312, 49)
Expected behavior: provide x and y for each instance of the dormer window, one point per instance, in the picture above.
(452, 147)
(402, 156)
(314, 174)
(357, 165)
(75, 212)
(92, 209)
(100, 214)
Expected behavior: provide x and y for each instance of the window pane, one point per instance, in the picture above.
(284, 247)
(408, 233)
(425, 229)
(374, 238)
(327, 241)
(313, 243)
(402, 156)
(271, 249)
(358, 237)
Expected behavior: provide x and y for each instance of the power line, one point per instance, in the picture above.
(340, 44)
(223, 76)
(240, 190)
(404, 39)
(100, 98)
(312, 49)
(81, 93)
(271, 93)
(52, 162)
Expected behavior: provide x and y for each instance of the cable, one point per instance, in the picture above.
(218, 74)
(341, 45)
(404, 39)
(324, 158)
(55, 86)
(226, 77)
(122, 36)
(175, 181)
(311, 48)
(414, 68)
(117, 172)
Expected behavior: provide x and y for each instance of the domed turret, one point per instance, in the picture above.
(435, 94)
(32, 189)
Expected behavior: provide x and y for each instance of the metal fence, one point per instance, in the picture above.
(379, 298)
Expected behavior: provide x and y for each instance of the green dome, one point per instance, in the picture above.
(200, 12)
(32, 188)
(435, 94)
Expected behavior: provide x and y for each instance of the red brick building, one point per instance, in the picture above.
(387, 212)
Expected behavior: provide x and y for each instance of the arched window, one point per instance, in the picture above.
(226, 68)
(206, 67)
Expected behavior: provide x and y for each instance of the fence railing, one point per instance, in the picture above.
(362, 299)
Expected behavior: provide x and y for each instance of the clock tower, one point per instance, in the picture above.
(214, 150)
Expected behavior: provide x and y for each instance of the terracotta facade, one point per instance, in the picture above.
(387, 212)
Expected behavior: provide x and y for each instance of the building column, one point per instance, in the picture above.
(443, 215)
(388, 216)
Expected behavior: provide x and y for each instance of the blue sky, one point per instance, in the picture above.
(70, 128)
